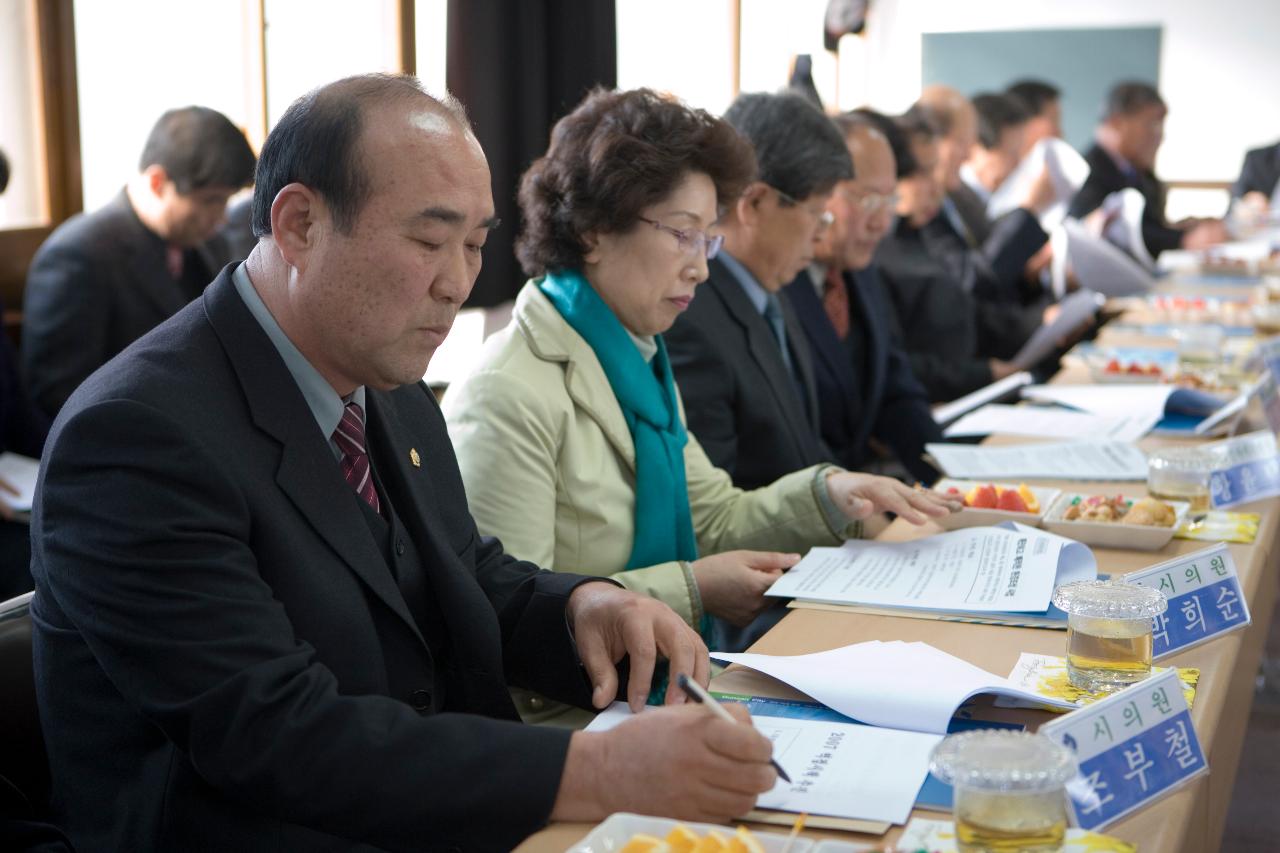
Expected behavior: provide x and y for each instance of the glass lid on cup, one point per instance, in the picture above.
(1002, 760)
(1110, 600)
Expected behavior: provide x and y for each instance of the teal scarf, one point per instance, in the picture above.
(647, 395)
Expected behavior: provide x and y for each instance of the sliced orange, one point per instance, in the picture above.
(1029, 497)
(712, 842)
(642, 843)
(744, 842)
(682, 839)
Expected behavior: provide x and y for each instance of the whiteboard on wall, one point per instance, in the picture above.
(1083, 63)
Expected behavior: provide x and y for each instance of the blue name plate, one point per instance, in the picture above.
(1204, 595)
(1243, 482)
(1268, 392)
(1133, 748)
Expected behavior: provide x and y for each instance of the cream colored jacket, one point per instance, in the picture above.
(549, 468)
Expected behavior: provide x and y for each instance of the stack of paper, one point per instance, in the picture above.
(983, 570)
(1050, 422)
(1071, 460)
(899, 685)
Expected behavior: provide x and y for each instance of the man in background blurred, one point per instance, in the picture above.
(1124, 156)
(991, 262)
(1042, 103)
(104, 279)
(956, 343)
(1259, 179)
(22, 431)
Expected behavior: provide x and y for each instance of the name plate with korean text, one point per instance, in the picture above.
(1134, 748)
(1269, 396)
(1205, 599)
(1250, 471)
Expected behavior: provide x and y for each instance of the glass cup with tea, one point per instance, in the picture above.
(1009, 789)
(1182, 474)
(1109, 632)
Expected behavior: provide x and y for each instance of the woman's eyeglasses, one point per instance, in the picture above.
(691, 241)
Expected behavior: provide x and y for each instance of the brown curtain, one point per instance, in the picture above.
(519, 65)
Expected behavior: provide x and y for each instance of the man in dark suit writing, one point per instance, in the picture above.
(104, 279)
(264, 619)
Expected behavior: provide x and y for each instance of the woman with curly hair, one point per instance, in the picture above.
(569, 430)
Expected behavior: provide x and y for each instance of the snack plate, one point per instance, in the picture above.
(617, 829)
(1139, 537)
(970, 517)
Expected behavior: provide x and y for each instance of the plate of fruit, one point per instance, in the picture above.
(991, 503)
(633, 833)
(1115, 521)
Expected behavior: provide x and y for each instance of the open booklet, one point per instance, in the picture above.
(1073, 311)
(1097, 264)
(896, 685)
(1122, 212)
(1011, 568)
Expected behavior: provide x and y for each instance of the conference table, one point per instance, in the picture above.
(1192, 818)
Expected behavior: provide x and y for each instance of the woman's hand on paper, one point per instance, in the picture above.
(609, 623)
(732, 584)
(683, 762)
(863, 495)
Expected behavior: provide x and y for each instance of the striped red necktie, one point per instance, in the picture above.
(349, 437)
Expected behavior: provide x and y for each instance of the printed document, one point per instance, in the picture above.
(1068, 460)
(1011, 568)
(1052, 422)
(838, 769)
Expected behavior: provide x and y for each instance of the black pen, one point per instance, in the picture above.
(694, 691)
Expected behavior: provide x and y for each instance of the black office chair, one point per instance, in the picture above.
(24, 768)
(22, 757)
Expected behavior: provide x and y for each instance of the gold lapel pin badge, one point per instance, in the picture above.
(415, 458)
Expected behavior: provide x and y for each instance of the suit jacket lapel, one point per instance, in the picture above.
(813, 318)
(149, 275)
(877, 350)
(459, 597)
(308, 473)
(803, 364)
(763, 348)
(553, 339)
